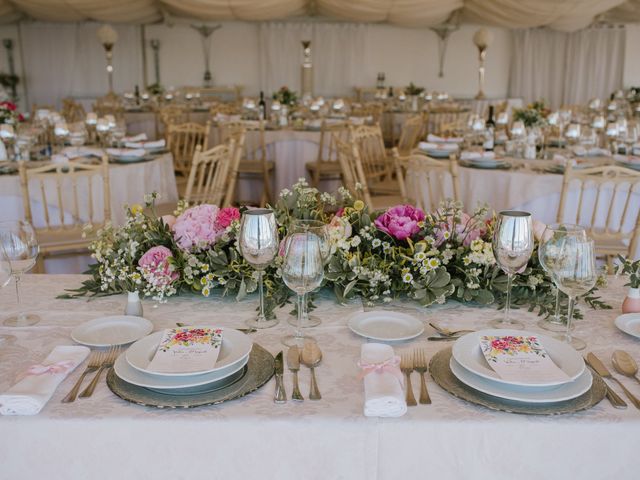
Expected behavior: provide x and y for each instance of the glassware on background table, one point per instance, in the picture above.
(572, 133)
(320, 229)
(630, 139)
(302, 272)
(5, 278)
(259, 246)
(548, 253)
(512, 249)
(20, 248)
(574, 273)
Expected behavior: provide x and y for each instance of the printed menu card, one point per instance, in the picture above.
(521, 359)
(187, 349)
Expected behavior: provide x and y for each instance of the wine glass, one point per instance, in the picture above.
(5, 277)
(512, 248)
(20, 247)
(548, 252)
(302, 272)
(575, 274)
(320, 229)
(259, 246)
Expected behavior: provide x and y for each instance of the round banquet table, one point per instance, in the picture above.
(316, 440)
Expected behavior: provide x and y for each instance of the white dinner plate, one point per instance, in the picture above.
(129, 158)
(438, 153)
(235, 348)
(484, 164)
(629, 323)
(466, 350)
(129, 374)
(385, 325)
(558, 393)
(113, 330)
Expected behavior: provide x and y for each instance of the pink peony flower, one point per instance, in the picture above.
(401, 222)
(340, 212)
(168, 220)
(227, 216)
(466, 230)
(197, 227)
(156, 267)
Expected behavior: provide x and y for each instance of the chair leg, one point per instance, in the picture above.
(39, 266)
(266, 191)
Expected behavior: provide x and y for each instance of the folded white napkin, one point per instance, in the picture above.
(383, 381)
(126, 152)
(146, 145)
(477, 156)
(29, 395)
(141, 137)
(445, 147)
(437, 139)
(77, 152)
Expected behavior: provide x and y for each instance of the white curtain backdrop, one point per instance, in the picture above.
(566, 68)
(338, 53)
(61, 60)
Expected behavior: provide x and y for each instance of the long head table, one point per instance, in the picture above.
(106, 437)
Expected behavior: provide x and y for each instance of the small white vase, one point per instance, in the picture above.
(134, 305)
(631, 304)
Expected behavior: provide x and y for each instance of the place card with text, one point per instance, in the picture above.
(187, 349)
(520, 359)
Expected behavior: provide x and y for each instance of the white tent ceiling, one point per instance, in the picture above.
(568, 15)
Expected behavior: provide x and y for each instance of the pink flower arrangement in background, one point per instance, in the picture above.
(401, 221)
(156, 267)
(466, 230)
(197, 227)
(227, 216)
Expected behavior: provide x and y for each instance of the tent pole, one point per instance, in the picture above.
(143, 39)
(22, 68)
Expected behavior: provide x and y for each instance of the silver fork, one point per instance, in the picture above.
(420, 366)
(107, 362)
(406, 365)
(95, 359)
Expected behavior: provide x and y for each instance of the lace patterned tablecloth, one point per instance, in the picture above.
(106, 437)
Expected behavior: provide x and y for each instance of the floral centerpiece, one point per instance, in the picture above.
(413, 90)
(534, 115)
(631, 269)
(9, 113)
(376, 255)
(286, 96)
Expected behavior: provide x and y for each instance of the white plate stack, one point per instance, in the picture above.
(470, 367)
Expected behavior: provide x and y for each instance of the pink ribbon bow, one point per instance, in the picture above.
(62, 366)
(391, 365)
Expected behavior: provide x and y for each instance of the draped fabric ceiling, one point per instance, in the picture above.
(566, 15)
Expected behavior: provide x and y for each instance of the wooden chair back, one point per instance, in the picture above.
(353, 175)
(373, 155)
(371, 112)
(182, 141)
(209, 174)
(617, 201)
(173, 115)
(110, 104)
(427, 172)
(411, 131)
(72, 111)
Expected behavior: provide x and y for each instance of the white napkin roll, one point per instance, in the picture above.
(437, 139)
(155, 144)
(383, 384)
(126, 152)
(141, 137)
(29, 395)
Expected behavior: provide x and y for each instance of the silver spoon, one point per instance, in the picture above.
(311, 357)
(625, 364)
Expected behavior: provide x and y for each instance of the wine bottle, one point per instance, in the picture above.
(490, 121)
(262, 107)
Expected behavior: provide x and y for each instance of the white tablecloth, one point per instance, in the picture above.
(106, 437)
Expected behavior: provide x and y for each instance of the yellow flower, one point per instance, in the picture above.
(136, 208)
(358, 205)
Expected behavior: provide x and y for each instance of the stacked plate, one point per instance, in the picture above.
(469, 366)
(488, 161)
(438, 150)
(132, 366)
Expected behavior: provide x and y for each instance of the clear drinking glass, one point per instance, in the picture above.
(320, 229)
(574, 274)
(302, 272)
(20, 248)
(5, 277)
(512, 248)
(259, 246)
(548, 253)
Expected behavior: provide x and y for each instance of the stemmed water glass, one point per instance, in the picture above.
(320, 229)
(20, 249)
(512, 249)
(5, 277)
(575, 274)
(548, 255)
(302, 272)
(259, 246)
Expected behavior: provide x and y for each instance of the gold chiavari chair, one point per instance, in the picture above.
(182, 141)
(377, 163)
(110, 104)
(617, 199)
(370, 112)
(172, 115)
(326, 166)
(209, 174)
(65, 194)
(426, 172)
(411, 131)
(72, 111)
(35, 107)
(224, 109)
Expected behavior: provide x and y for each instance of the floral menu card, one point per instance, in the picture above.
(187, 349)
(520, 359)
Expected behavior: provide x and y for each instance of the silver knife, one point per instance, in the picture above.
(293, 362)
(280, 395)
(595, 363)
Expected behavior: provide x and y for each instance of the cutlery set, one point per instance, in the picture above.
(445, 334)
(625, 365)
(310, 356)
(416, 362)
(98, 361)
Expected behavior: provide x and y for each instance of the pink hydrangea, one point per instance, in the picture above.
(156, 267)
(401, 221)
(227, 216)
(197, 227)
